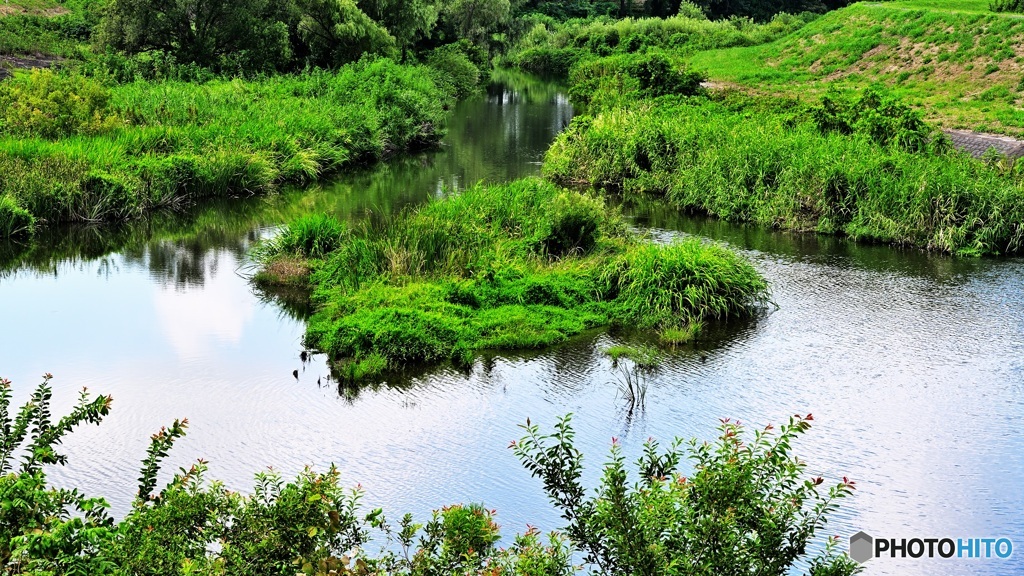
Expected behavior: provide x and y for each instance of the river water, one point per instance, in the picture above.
(913, 365)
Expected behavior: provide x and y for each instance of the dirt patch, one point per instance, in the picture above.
(9, 63)
(8, 10)
(284, 271)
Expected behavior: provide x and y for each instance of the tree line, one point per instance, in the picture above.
(283, 35)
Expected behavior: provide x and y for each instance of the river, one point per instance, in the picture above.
(912, 364)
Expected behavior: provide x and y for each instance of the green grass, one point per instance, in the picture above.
(146, 145)
(746, 161)
(944, 5)
(960, 63)
(553, 49)
(519, 266)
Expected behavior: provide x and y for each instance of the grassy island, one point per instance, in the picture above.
(517, 266)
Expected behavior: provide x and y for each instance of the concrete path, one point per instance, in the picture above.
(976, 144)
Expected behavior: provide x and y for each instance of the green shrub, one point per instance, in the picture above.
(467, 534)
(453, 70)
(688, 9)
(663, 286)
(546, 61)
(1006, 6)
(745, 509)
(47, 104)
(618, 78)
(574, 224)
(46, 529)
(883, 118)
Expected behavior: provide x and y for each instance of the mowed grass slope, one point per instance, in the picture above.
(963, 65)
(32, 7)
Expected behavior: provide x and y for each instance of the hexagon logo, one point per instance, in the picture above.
(861, 547)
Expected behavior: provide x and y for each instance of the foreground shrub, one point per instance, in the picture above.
(519, 266)
(746, 508)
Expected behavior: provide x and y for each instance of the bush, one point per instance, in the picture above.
(573, 225)
(618, 78)
(689, 281)
(44, 528)
(745, 510)
(1006, 6)
(47, 104)
(546, 61)
(688, 9)
(454, 72)
(883, 118)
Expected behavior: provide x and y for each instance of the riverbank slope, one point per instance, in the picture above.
(958, 61)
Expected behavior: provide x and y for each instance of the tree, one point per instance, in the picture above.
(251, 34)
(763, 10)
(406, 20)
(476, 19)
(336, 32)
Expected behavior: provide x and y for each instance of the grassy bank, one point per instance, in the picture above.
(960, 61)
(879, 179)
(72, 149)
(552, 48)
(518, 266)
